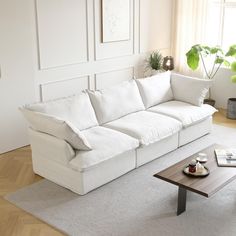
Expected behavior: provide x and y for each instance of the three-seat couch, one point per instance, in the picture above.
(86, 140)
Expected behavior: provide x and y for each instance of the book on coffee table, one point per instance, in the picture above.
(226, 157)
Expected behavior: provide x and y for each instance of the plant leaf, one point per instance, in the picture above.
(155, 60)
(232, 51)
(233, 66)
(215, 50)
(219, 60)
(233, 78)
(193, 57)
(226, 63)
(205, 50)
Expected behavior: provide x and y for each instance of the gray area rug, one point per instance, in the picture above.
(136, 204)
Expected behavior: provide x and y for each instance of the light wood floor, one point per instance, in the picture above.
(16, 172)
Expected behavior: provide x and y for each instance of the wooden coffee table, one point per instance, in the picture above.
(207, 186)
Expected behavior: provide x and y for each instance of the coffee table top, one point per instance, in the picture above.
(207, 186)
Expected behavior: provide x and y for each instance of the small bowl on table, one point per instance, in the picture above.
(202, 158)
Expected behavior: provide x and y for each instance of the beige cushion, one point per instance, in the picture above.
(76, 109)
(189, 89)
(186, 113)
(116, 101)
(155, 89)
(145, 126)
(106, 144)
(57, 127)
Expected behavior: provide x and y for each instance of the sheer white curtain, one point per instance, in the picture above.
(189, 28)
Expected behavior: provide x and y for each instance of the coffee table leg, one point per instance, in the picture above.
(182, 194)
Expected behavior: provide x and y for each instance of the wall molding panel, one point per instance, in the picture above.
(63, 88)
(116, 48)
(62, 32)
(109, 78)
(102, 62)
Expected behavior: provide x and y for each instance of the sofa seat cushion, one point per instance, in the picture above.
(106, 143)
(186, 113)
(146, 126)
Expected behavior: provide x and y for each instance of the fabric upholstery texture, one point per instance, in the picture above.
(56, 127)
(54, 149)
(155, 89)
(117, 101)
(189, 89)
(105, 143)
(184, 112)
(76, 109)
(195, 131)
(145, 126)
(87, 140)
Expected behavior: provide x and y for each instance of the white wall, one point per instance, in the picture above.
(223, 88)
(17, 70)
(52, 48)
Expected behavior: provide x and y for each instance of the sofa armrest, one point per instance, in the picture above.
(50, 147)
(189, 89)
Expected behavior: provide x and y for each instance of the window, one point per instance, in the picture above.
(228, 30)
(221, 23)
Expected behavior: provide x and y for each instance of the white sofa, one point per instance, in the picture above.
(86, 140)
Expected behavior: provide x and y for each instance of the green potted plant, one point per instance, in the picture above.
(215, 55)
(154, 62)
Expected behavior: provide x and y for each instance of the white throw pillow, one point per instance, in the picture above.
(76, 109)
(155, 89)
(117, 101)
(189, 89)
(57, 127)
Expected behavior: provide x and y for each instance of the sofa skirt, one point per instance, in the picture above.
(148, 153)
(195, 131)
(83, 182)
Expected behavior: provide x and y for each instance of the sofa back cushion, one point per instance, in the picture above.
(189, 89)
(155, 89)
(117, 101)
(75, 109)
(56, 127)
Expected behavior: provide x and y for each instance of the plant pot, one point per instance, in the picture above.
(210, 102)
(231, 108)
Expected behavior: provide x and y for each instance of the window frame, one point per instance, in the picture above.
(223, 4)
